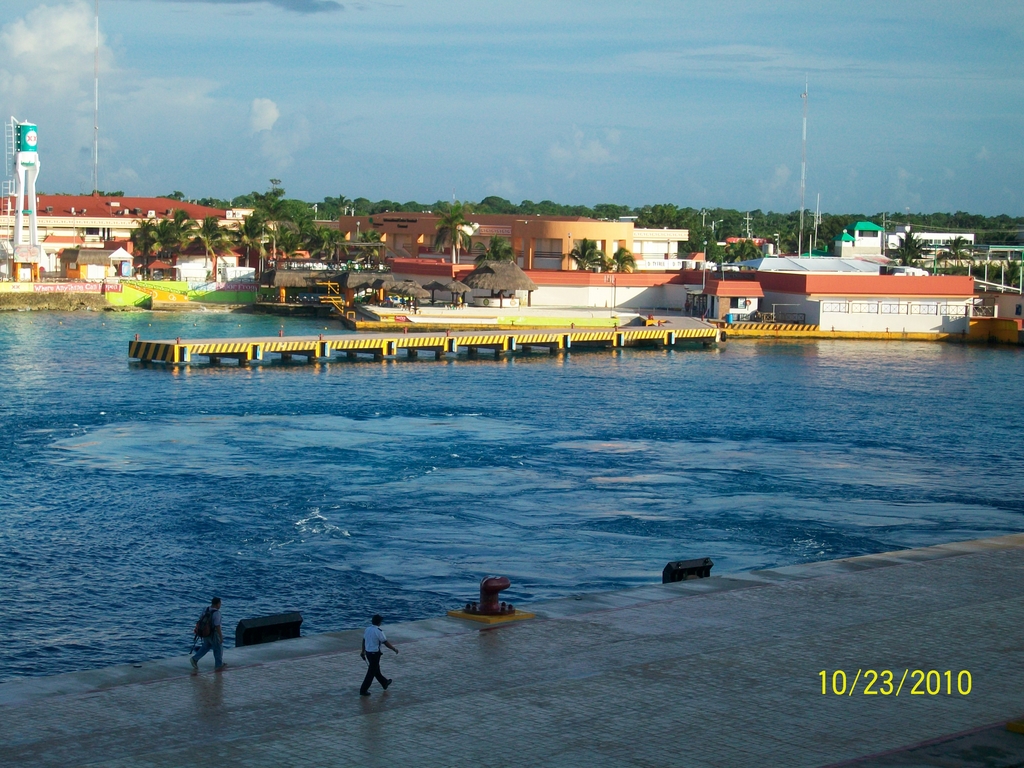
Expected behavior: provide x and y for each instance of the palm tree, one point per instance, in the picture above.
(499, 249)
(451, 228)
(742, 250)
(271, 206)
(373, 236)
(587, 255)
(324, 243)
(175, 233)
(250, 237)
(144, 238)
(621, 261)
(910, 250)
(956, 249)
(215, 239)
(289, 241)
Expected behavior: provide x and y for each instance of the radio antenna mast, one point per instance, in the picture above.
(96, 108)
(803, 174)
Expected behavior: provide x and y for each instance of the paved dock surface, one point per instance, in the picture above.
(673, 322)
(714, 672)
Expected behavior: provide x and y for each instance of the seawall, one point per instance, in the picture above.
(801, 666)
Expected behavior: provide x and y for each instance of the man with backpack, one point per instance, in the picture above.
(208, 630)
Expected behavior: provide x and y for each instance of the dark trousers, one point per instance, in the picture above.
(372, 671)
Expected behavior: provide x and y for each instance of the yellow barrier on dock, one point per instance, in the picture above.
(387, 345)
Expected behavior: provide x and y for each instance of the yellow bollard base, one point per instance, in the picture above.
(517, 616)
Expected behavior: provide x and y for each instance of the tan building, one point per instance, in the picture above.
(539, 242)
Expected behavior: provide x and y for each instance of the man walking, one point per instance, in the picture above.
(373, 639)
(208, 629)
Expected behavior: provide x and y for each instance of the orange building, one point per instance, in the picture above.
(539, 242)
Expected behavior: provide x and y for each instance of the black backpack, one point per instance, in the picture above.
(204, 627)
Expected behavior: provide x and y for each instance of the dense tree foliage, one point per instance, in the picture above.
(711, 224)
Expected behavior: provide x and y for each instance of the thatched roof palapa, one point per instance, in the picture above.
(499, 277)
(456, 286)
(354, 281)
(291, 278)
(412, 289)
(385, 281)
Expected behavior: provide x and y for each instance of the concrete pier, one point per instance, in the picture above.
(381, 345)
(724, 671)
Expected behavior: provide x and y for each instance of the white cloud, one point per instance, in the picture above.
(580, 151)
(780, 178)
(983, 154)
(51, 49)
(263, 114)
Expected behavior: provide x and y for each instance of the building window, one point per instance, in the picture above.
(893, 308)
(835, 306)
(864, 307)
(92, 231)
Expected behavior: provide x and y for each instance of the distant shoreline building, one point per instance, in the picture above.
(100, 222)
(539, 242)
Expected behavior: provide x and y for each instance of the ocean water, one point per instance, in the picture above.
(129, 495)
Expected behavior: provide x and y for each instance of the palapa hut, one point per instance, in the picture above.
(500, 278)
(288, 278)
(454, 287)
(290, 282)
(384, 283)
(410, 288)
(353, 281)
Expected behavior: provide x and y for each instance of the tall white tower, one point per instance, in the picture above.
(26, 162)
(26, 170)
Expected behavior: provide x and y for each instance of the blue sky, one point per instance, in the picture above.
(912, 104)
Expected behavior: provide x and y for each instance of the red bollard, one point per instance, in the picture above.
(490, 587)
(177, 339)
(136, 337)
(281, 333)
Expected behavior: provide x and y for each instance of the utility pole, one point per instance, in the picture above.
(803, 175)
(96, 107)
(703, 215)
(747, 220)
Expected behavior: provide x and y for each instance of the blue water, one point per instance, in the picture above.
(129, 494)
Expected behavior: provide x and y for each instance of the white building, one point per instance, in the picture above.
(934, 242)
(658, 249)
(871, 303)
(862, 239)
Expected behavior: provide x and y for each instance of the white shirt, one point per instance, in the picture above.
(373, 638)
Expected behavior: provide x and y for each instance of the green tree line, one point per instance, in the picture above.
(727, 222)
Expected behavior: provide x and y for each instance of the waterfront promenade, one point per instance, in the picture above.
(721, 671)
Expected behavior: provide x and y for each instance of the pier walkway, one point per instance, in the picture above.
(438, 345)
(723, 671)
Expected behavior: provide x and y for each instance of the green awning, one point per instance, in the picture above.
(864, 226)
